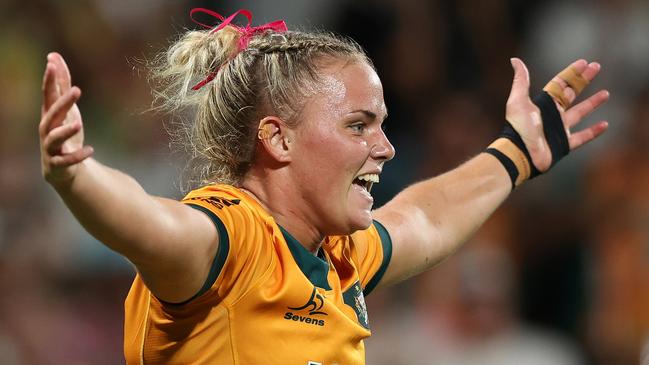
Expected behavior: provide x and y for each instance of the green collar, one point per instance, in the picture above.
(315, 268)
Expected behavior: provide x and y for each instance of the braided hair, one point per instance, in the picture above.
(274, 75)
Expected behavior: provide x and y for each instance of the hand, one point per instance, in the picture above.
(61, 127)
(525, 116)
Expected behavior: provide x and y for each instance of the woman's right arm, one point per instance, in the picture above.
(171, 244)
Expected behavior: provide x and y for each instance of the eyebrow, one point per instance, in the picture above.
(370, 114)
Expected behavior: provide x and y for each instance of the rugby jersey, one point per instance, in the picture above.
(267, 299)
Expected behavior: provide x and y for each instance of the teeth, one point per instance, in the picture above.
(373, 178)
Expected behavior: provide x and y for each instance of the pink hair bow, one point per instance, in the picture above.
(247, 32)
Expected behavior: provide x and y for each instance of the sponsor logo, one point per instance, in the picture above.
(313, 307)
(219, 203)
(314, 304)
(304, 319)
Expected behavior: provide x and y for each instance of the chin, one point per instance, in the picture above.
(361, 221)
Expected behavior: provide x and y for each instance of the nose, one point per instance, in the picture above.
(382, 148)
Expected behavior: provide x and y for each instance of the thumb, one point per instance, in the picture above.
(521, 83)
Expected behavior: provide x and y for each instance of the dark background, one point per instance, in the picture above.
(559, 275)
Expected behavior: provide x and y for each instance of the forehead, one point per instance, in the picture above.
(348, 86)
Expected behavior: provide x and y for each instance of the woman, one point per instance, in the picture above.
(270, 260)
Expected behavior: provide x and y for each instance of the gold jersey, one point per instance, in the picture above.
(267, 299)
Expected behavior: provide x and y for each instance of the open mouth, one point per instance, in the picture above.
(366, 181)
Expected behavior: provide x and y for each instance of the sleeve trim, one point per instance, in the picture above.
(220, 257)
(386, 243)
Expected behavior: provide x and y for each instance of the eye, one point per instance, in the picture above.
(358, 127)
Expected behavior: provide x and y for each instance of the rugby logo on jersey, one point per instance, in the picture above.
(313, 307)
(354, 298)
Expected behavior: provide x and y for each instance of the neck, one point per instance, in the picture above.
(279, 200)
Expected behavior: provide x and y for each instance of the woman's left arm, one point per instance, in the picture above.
(431, 219)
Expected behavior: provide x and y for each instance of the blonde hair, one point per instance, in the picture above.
(273, 75)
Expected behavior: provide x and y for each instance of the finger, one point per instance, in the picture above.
(57, 136)
(591, 71)
(563, 78)
(63, 72)
(570, 95)
(562, 83)
(588, 71)
(49, 88)
(578, 112)
(567, 84)
(71, 158)
(582, 137)
(579, 66)
(521, 82)
(561, 92)
(57, 113)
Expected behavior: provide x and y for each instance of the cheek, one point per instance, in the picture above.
(332, 159)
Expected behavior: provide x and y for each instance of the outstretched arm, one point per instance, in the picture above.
(170, 244)
(431, 219)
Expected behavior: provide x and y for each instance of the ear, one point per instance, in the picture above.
(275, 138)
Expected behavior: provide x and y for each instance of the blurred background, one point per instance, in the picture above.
(559, 275)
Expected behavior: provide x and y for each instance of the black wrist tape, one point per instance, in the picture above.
(555, 133)
(510, 149)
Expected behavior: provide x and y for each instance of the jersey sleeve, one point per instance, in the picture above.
(372, 254)
(239, 259)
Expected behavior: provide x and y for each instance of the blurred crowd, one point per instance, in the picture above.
(559, 275)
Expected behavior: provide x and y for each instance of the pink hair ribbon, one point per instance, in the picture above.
(247, 32)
